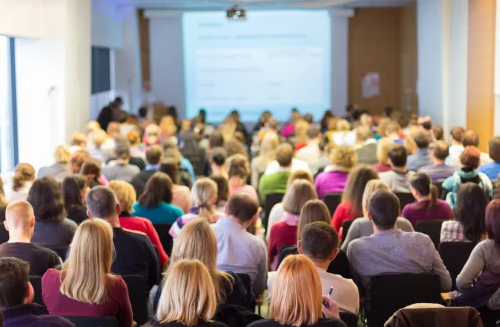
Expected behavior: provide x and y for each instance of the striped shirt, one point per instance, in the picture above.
(438, 172)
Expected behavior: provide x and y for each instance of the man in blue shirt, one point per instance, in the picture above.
(422, 157)
(492, 169)
(439, 171)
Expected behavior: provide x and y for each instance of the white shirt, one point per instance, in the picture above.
(312, 156)
(19, 195)
(345, 292)
(344, 138)
(454, 157)
(274, 167)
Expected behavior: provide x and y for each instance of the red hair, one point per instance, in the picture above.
(470, 157)
(493, 221)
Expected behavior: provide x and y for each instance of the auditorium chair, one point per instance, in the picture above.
(404, 199)
(332, 201)
(165, 238)
(36, 282)
(437, 317)
(389, 293)
(271, 200)
(455, 255)
(247, 282)
(138, 297)
(350, 319)
(61, 251)
(439, 186)
(432, 228)
(93, 321)
(345, 227)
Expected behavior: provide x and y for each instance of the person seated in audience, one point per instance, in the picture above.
(343, 134)
(276, 182)
(390, 250)
(297, 298)
(180, 193)
(74, 188)
(438, 171)
(52, 228)
(398, 178)
(362, 227)
(471, 138)
(78, 141)
(334, 178)
(222, 191)
(470, 160)
(16, 297)
(238, 250)
(134, 252)
(300, 137)
(352, 206)
(135, 144)
(469, 216)
(284, 232)
(186, 171)
(492, 169)
(150, 136)
(423, 155)
(188, 298)
(319, 242)
(383, 147)
(76, 161)
(98, 137)
(392, 131)
(311, 153)
(155, 203)
(267, 153)
(456, 146)
(218, 157)
(3, 207)
(126, 197)
(193, 152)
(85, 286)
(438, 133)
(20, 223)
(428, 206)
(289, 128)
(234, 146)
(154, 155)
(204, 198)
(238, 171)
(91, 169)
(297, 165)
(120, 168)
(60, 169)
(367, 146)
(23, 179)
(121, 142)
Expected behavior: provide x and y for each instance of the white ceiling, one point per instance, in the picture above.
(264, 4)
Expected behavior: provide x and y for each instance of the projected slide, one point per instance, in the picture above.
(273, 60)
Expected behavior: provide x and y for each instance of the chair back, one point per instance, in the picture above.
(455, 255)
(165, 238)
(432, 228)
(389, 293)
(345, 227)
(247, 283)
(350, 319)
(340, 265)
(285, 251)
(93, 321)
(417, 316)
(36, 282)
(404, 199)
(439, 186)
(61, 251)
(332, 201)
(138, 297)
(270, 201)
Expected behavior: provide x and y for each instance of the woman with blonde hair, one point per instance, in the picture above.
(125, 194)
(78, 141)
(22, 181)
(344, 135)
(168, 128)
(383, 147)
(85, 286)
(204, 199)
(267, 153)
(362, 227)
(60, 169)
(238, 171)
(296, 298)
(301, 134)
(334, 178)
(98, 138)
(284, 232)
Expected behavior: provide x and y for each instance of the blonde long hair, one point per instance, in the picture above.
(188, 294)
(204, 196)
(87, 269)
(197, 241)
(296, 293)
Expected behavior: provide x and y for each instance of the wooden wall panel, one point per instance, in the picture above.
(408, 98)
(144, 45)
(480, 69)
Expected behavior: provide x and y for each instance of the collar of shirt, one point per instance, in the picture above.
(283, 169)
(370, 141)
(386, 233)
(151, 167)
(423, 151)
(227, 223)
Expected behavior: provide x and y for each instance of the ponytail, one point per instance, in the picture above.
(24, 173)
(434, 197)
(203, 194)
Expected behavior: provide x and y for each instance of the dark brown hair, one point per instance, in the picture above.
(423, 184)
(470, 210)
(14, 279)
(242, 206)
(493, 221)
(384, 209)
(398, 155)
(438, 132)
(77, 160)
(319, 240)
(355, 186)
(494, 148)
(24, 173)
(153, 154)
(284, 155)
(46, 200)
(91, 169)
(170, 167)
(470, 138)
(222, 187)
(158, 189)
(216, 140)
(72, 187)
(457, 133)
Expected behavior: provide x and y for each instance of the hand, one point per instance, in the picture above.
(333, 310)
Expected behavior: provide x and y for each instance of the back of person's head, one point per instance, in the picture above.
(98, 137)
(438, 132)
(343, 125)
(101, 202)
(284, 155)
(383, 209)
(356, 183)
(78, 139)
(371, 187)
(299, 174)
(222, 187)
(242, 206)
(273, 124)
(296, 297)
(46, 200)
(470, 158)
(170, 167)
(494, 148)
(457, 133)
(383, 147)
(215, 140)
(269, 144)
(133, 137)
(74, 188)
(392, 127)
(313, 132)
(77, 160)
(188, 294)
(313, 210)
(88, 266)
(204, 196)
(470, 138)
(158, 189)
(493, 221)
(441, 150)
(238, 166)
(234, 146)
(125, 194)
(15, 288)
(170, 150)
(363, 133)
(91, 169)
(309, 118)
(344, 156)
(366, 120)
(421, 140)
(421, 184)
(319, 241)
(398, 155)
(122, 150)
(154, 154)
(24, 173)
(470, 210)
(19, 216)
(297, 195)
(218, 156)
(62, 154)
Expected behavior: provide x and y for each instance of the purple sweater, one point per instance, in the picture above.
(412, 212)
(330, 182)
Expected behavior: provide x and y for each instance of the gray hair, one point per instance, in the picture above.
(101, 202)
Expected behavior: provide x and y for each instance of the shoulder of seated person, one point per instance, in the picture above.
(134, 231)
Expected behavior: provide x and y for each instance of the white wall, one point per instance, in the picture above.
(21, 18)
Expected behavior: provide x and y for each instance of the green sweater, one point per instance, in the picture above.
(273, 183)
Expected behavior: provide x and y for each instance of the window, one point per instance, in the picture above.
(8, 117)
(101, 70)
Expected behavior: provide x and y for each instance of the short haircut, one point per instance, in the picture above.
(494, 148)
(421, 140)
(158, 189)
(14, 279)
(457, 133)
(441, 150)
(218, 156)
(319, 240)
(493, 221)
(19, 215)
(313, 131)
(284, 155)
(470, 157)
(470, 138)
(384, 209)
(238, 166)
(438, 132)
(153, 154)
(122, 150)
(101, 202)
(242, 206)
(398, 155)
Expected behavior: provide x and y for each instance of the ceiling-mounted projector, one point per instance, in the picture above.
(236, 13)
